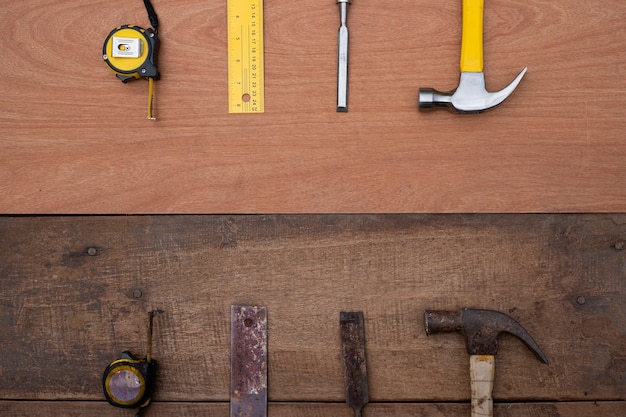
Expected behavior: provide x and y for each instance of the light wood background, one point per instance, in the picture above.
(73, 139)
(67, 311)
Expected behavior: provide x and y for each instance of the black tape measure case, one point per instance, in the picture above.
(131, 53)
(128, 381)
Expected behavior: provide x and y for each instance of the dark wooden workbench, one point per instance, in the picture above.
(74, 292)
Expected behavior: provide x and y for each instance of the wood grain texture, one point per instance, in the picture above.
(73, 139)
(74, 292)
(158, 409)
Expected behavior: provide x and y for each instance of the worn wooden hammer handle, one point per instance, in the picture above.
(482, 370)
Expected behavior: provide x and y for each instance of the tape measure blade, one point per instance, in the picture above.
(246, 72)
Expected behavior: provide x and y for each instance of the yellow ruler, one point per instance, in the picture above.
(245, 56)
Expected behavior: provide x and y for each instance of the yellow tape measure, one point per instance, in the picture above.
(245, 56)
(131, 53)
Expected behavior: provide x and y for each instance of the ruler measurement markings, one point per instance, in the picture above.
(245, 50)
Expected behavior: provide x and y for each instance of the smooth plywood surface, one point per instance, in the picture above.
(74, 293)
(73, 139)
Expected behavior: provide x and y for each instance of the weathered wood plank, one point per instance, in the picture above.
(73, 139)
(160, 409)
(66, 311)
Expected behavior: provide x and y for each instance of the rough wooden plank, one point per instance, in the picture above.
(67, 311)
(73, 139)
(158, 409)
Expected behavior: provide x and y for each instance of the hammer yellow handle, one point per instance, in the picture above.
(472, 40)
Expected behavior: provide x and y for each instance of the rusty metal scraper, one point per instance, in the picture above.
(248, 362)
(355, 367)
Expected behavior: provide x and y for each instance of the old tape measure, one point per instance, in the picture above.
(131, 53)
(246, 75)
(128, 381)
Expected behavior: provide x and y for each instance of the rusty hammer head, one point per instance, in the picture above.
(480, 328)
(470, 96)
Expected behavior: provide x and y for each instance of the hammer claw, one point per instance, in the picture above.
(481, 329)
(471, 96)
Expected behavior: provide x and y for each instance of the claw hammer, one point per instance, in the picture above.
(481, 329)
(471, 96)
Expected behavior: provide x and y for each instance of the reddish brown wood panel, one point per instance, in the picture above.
(73, 139)
(74, 292)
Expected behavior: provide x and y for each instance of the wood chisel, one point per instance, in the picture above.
(342, 59)
(355, 366)
(248, 366)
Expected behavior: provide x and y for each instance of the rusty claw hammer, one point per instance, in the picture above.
(470, 96)
(481, 329)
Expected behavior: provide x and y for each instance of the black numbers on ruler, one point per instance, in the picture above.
(245, 49)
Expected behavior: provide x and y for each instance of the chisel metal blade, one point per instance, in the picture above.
(342, 58)
(248, 366)
(355, 366)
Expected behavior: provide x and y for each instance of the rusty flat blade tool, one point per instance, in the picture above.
(354, 365)
(248, 362)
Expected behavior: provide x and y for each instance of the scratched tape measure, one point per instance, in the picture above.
(128, 382)
(246, 75)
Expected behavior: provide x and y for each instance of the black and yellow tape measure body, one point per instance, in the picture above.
(128, 382)
(130, 51)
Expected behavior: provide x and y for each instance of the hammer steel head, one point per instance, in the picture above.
(470, 96)
(481, 329)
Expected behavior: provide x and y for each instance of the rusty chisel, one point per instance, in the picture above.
(354, 365)
(248, 363)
